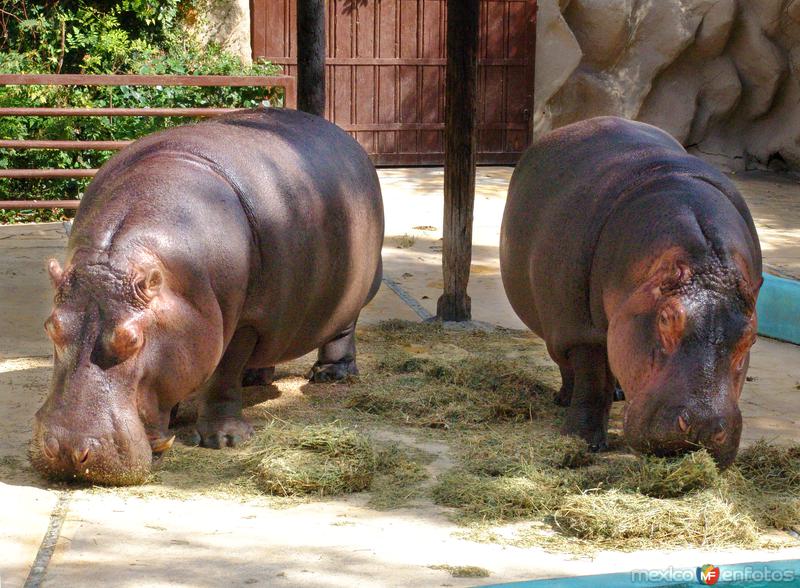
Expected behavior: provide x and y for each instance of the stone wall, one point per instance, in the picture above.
(226, 22)
(723, 76)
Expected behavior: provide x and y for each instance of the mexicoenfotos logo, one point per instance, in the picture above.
(708, 575)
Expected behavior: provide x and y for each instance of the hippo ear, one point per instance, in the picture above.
(56, 273)
(674, 274)
(148, 283)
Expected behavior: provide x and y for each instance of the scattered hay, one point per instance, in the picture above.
(613, 500)
(489, 396)
(320, 460)
(503, 498)
(399, 477)
(405, 241)
(421, 378)
(628, 520)
(772, 468)
(463, 571)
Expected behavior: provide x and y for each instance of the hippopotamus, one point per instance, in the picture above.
(200, 256)
(639, 265)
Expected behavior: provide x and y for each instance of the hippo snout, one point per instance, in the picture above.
(676, 430)
(63, 454)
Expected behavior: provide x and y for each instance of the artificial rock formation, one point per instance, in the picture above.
(225, 22)
(723, 76)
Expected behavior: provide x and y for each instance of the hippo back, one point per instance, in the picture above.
(562, 194)
(292, 200)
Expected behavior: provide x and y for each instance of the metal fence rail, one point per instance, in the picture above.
(288, 83)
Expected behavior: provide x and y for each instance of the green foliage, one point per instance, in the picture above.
(111, 36)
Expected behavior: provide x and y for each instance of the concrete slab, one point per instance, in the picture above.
(145, 543)
(160, 542)
(773, 200)
(24, 519)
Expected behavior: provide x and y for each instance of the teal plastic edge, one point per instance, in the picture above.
(790, 568)
(779, 309)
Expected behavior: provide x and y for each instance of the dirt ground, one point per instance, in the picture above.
(125, 540)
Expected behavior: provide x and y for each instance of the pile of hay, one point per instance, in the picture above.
(319, 460)
(333, 458)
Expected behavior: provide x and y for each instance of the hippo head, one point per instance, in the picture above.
(121, 362)
(680, 348)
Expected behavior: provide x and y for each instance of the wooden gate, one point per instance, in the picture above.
(386, 67)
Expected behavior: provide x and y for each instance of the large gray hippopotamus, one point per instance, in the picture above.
(636, 263)
(197, 253)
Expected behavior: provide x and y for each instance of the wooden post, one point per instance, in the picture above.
(459, 157)
(311, 56)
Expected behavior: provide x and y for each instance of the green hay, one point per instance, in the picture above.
(463, 571)
(319, 460)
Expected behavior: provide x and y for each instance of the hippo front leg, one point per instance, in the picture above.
(564, 396)
(592, 394)
(219, 414)
(258, 376)
(337, 358)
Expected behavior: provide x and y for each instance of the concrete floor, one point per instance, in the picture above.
(110, 540)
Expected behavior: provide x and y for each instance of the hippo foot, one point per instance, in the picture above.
(598, 447)
(258, 377)
(596, 439)
(563, 397)
(332, 372)
(219, 433)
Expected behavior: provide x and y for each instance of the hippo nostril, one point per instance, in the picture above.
(80, 456)
(719, 437)
(50, 447)
(682, 424)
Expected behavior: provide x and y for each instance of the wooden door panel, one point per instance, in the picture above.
(386, 69)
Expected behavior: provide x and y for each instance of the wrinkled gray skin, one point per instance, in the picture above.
(639, 263)
(240, 242)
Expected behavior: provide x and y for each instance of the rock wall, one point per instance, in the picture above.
(723, 76)
(226, 22)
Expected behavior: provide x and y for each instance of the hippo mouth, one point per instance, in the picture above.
(651, 430)
(109, 462)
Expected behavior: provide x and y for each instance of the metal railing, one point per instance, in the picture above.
(288, 83)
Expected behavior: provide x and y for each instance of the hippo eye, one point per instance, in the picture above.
(125, 340)
(740, 357)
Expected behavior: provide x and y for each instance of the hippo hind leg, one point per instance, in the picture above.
(592, 394)
(219, 414)
(336, 359)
